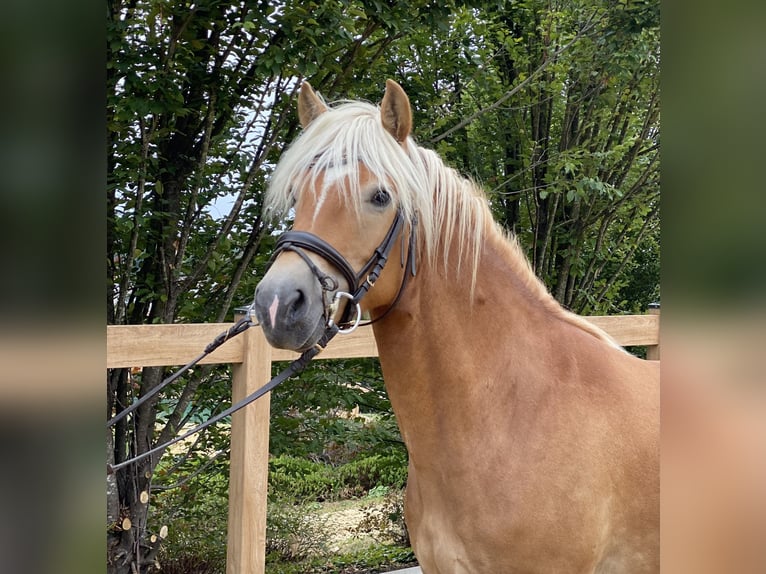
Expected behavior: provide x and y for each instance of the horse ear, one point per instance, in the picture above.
(395, 112)
(310, 106)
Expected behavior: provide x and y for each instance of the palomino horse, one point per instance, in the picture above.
(533, 438)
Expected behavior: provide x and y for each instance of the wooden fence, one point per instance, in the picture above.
(251, 358)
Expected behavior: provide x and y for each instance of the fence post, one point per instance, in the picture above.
(653, 351)
(248, 475)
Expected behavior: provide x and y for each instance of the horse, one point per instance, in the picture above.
(533, 438)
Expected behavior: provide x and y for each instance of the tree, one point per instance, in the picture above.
(199, 101)
(555, 108)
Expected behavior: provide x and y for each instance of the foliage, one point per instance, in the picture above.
(303, 480)
(191, 564)
(378, 558)
(195, 514)
(555, 108)
(386, 522)
(292, 534)
(313, 415)
(366, 473)
(371, 560)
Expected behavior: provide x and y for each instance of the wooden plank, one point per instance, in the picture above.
(248, 474)
(167, 345)
(630, 330)
(653, 351)
(358, 344)
(160, 345)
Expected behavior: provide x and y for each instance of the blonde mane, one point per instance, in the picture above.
(351, 132)
(422, 185)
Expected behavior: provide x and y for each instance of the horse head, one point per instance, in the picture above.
(347, 211)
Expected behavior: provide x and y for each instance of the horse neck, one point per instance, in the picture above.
(442, 338)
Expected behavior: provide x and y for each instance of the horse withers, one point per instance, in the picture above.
(533, 438)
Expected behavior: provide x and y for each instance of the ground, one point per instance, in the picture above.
(343, 520)
(357, 536)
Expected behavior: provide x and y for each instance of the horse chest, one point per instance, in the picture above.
(449, 540)
(493, 517)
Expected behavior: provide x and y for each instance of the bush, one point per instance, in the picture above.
(196, 512)
(301, 479)
(191, 564)
(366, 473)
(385, 523)
(292, 533)
(196, 517)
(335, 410)
(377, 558)
(304, 480)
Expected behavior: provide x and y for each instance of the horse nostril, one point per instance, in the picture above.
(295, 304)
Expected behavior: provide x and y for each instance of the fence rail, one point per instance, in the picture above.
(251, 357)
(168, 345)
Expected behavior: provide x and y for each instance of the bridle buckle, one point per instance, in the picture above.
(334, 308)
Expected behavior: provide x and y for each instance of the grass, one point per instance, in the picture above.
(356, 539)
(371, 560)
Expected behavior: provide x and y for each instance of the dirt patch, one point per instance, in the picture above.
(342, 521)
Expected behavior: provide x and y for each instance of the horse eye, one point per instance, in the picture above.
(380, 198)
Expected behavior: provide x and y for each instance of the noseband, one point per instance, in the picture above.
(358, 283)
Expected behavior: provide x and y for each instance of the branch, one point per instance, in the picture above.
(254, 242)
(649, 218)
(122, 298)
(269, 138)
(510, 93)
(590, 273)
(630, 193)
(184, 399)
(191, 213)
(187, 478)
(651, 115)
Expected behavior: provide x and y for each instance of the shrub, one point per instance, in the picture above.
(385, 523)
(196, 520)
(304, 480)
(366, 473)
(301, 479)
(191, 564)
(292, 533)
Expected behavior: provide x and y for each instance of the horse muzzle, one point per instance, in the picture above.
(290, 307)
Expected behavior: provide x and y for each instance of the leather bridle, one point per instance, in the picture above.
(358, 283)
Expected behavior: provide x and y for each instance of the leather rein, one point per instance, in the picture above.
(299, 242)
